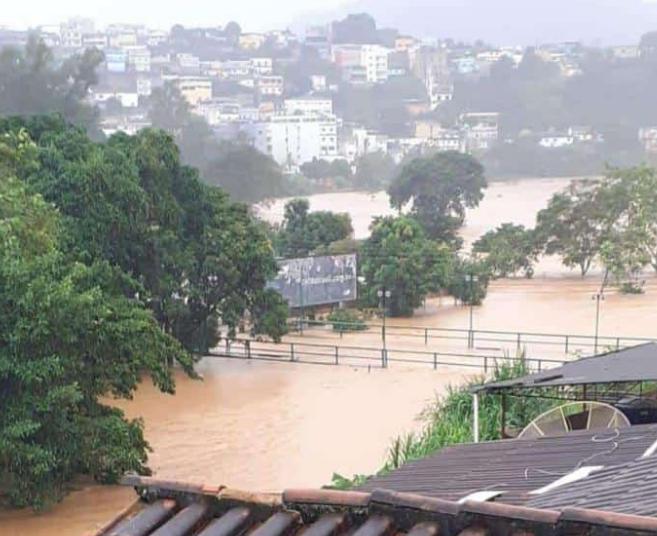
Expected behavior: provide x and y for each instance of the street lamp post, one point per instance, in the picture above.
(598, 298)
(383, 295)
(471, 279)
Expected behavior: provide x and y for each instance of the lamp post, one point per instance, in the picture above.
(383, 295)
(471, 279)
(598, 297)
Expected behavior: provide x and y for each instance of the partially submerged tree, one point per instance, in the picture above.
(66, 339)
(508, 250)
(399, 258)
(440, 188)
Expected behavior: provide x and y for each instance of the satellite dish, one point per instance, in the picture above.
(575, 416)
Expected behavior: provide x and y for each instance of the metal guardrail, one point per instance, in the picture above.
(362, 356)
(570, 343)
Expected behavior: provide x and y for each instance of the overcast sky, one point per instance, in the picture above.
(251, 14)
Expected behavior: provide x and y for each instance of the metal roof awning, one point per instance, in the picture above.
(629, 365)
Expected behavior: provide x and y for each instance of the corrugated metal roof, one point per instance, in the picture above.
(172, 509)
(514, 467)
(638, 363)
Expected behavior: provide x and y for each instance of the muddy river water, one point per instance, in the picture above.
(269, 426)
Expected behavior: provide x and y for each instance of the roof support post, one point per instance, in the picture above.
(475, 417)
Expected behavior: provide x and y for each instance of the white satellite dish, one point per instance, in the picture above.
(575, 416)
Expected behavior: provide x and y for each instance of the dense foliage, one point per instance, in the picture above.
(440, 187)
(32, 82)
(508, 250)
(399, 258)
(303, 232)
(193, 256)
(613, 221)
(67, 338)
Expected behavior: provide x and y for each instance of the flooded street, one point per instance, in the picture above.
(267, 426)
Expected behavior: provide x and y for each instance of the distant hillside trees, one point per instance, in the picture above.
(32, 83)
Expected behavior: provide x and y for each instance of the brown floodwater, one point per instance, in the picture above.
(268, 426)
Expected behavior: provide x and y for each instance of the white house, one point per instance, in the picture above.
(308, 106)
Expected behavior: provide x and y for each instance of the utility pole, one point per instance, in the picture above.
(471, 279)
(598, 297)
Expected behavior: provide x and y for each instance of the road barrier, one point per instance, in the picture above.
(369, 357)
(568, 344)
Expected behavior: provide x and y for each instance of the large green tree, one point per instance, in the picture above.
(67, 338)
(197, 257)
(399, 258)
(509, 249)
(303, 232)
(574, 225)
(440, 188)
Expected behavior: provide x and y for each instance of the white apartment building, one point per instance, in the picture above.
(294, 140)
(362, 63)
(481, 129)
(261, 66)
(270, 85)
(308, 106)
(139, 59)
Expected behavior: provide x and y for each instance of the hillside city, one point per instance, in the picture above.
(349, 89)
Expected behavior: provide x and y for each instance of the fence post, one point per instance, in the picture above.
(227, 346)
(617, 343)
(435, 361)
(485, 363)
(383, 358)
(540, 365)
(336, 356)
(291, 351)
(518, 343)
(566, 343)
(248, 349)
(426, 336)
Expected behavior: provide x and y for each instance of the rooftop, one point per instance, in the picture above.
(178, 509)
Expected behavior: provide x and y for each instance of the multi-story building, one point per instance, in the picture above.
(481, 130)
(648, 138)
(261, 66)
(252, 41)
(95, 40)
(195, 89)
(361, 63)
(308, 106)
(294, 140)
(272, 86)
(139, 59)
(116, 60)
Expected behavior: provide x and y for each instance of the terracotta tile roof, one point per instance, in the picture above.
(175, 509)
(515, 467)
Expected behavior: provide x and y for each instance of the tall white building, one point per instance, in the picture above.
(362, 63)
(292, 140)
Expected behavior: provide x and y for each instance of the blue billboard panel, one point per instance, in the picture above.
(317, 280)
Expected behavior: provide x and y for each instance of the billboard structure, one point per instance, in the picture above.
(317, 280)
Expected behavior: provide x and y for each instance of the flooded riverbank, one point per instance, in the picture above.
(257, 426)
(268, 426)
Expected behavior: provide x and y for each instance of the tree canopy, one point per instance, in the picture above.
(440, 187)
(508, 250)
(67, 338)
(303, 232)
(398, 257)
(194, 256)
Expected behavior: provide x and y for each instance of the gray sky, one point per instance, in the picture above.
(251, 14)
